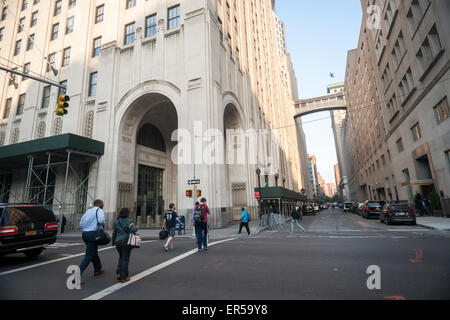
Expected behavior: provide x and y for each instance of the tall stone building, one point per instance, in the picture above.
(397, 87)
(144, 78)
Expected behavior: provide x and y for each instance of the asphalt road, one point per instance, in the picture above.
(328, 261)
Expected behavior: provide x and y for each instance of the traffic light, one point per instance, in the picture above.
(62, 104)
(189, 193)
(199, 193)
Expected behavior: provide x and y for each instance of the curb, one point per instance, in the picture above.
(427, 227)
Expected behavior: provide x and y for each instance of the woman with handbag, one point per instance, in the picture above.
(123, 233)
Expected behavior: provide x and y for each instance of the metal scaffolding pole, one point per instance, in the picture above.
(63, 195)
(46, 178)
(27, 186)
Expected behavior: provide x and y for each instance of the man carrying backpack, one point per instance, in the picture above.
(295, 217)
(200, 221)
(170, 218)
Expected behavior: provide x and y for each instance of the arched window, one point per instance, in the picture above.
(149, 136)
(15, 136)
(57, 129)
(89, 124)
(41, 130)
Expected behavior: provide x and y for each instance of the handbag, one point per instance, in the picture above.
(134, 241)
(101, 236)
(163, 234)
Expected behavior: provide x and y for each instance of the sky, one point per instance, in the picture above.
(319, 34)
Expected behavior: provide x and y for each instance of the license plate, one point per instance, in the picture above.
(377, 209)
(30, 233)
(401, 213)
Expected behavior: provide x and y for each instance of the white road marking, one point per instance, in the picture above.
(58, 245)
(56, 260)
(116, 287)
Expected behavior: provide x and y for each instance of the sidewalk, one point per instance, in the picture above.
(153, 234)
(434, 223)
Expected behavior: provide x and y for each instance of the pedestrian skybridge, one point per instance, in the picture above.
(329, 102)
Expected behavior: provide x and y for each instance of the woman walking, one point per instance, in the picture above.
(122, 229)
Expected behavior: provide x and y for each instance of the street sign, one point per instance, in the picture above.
(192, 182)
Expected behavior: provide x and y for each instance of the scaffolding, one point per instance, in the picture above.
(58, 176)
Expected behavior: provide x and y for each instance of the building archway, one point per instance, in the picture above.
(236, 161)
(147, 175)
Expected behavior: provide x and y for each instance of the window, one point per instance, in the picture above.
(2, 33)
(7, 108)
(4, 13)
(406, 85)
(150, 26)
(34, 19)
(129, 33)
(393, 106)
(415, 130)
(72, 4)
(17, 48)
(220, 26)
(66, 57)
(30, 43)
(58, 6)
(97, 45)
(174, 17)
(130, 3)
(399, 144)
(26, 70)
(51, 61)
(442, 111)
(55, 30)
(36, 1)
(21, 104)
(46, 97)
(21, 24)
(399, 50)
(93, 84)
(69, 25)
(429, 50)
(24, 4)
(415, 13)
(99, 13)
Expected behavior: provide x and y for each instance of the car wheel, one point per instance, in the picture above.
(413, 223)
(33, 253)
(388, 222)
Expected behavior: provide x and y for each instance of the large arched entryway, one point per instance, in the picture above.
(236, 164)
(145, 163)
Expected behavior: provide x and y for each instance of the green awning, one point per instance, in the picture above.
(280, 193)
(16, 155)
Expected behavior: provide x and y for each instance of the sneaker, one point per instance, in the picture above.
(199, 250)
(166, 248)
(125, 280)
(249, 235)
(205, 248)
(238, 233)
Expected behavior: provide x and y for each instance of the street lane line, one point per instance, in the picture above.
(118, 286)
(56, 260)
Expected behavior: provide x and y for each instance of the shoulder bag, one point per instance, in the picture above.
(134, 241)
(101, 236)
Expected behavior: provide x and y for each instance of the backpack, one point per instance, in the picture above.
(198, 216)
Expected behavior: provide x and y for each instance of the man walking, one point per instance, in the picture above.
(89, 223)
(170, 218)
(63, 223)
(295, 218)
(244, 223)
(203, 234)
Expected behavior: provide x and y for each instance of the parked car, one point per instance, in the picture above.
(308, 210)
(371, 208)
(347, 206)
(341, 205)
(397, 212)
(359, 210)
(316, 207)
(26, 228)
(354, 207)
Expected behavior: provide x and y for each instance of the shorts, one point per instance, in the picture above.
(171, 232)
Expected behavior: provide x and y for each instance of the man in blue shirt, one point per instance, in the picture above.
(89, 225)
(244, 222)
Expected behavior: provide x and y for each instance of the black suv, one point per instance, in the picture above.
(371, 208)
(397, 212)
(26, 228)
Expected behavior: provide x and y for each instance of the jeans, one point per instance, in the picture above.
(124, 258)
(201, 232)
(298, 225)
(244, 224)
(91, 252)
